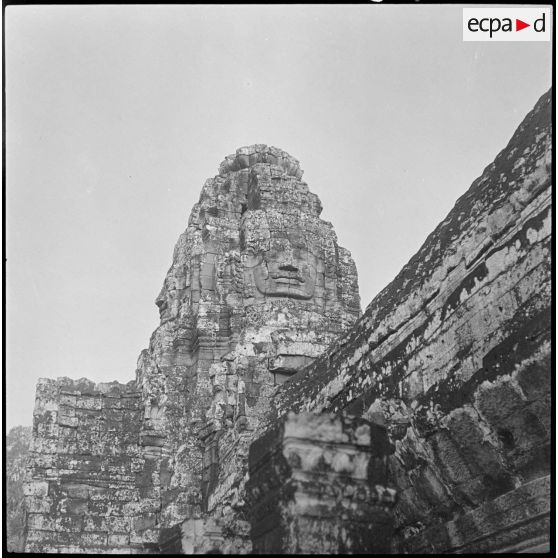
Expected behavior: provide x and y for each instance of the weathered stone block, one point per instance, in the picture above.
(94, 539)
(118, 540)
(95, 523)
(35, 488)
(144, 522)
(76, 490)
(38, 504)
(68, 523)
(118, 524)
(69, 421)
(38, 538)
(40, 521)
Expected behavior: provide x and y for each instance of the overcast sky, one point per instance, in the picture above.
(116, 115)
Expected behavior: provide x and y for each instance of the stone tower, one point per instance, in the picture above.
(258, 288)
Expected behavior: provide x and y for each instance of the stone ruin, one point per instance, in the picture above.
(269, 416)
(258, 288)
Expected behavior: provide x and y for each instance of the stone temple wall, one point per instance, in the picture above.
(89, 488)
(454, 357)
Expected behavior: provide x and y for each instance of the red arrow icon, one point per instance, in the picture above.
(519, 25)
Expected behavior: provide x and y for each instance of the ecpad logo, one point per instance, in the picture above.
(507, 24)
(494, 24)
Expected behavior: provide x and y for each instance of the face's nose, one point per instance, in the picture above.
(161, 300)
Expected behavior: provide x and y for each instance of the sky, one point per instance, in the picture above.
(116, 116)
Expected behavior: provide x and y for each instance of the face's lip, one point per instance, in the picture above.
(287, 276)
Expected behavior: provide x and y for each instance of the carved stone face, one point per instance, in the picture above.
(287, 269)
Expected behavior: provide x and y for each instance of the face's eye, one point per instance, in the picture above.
(250, 259)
